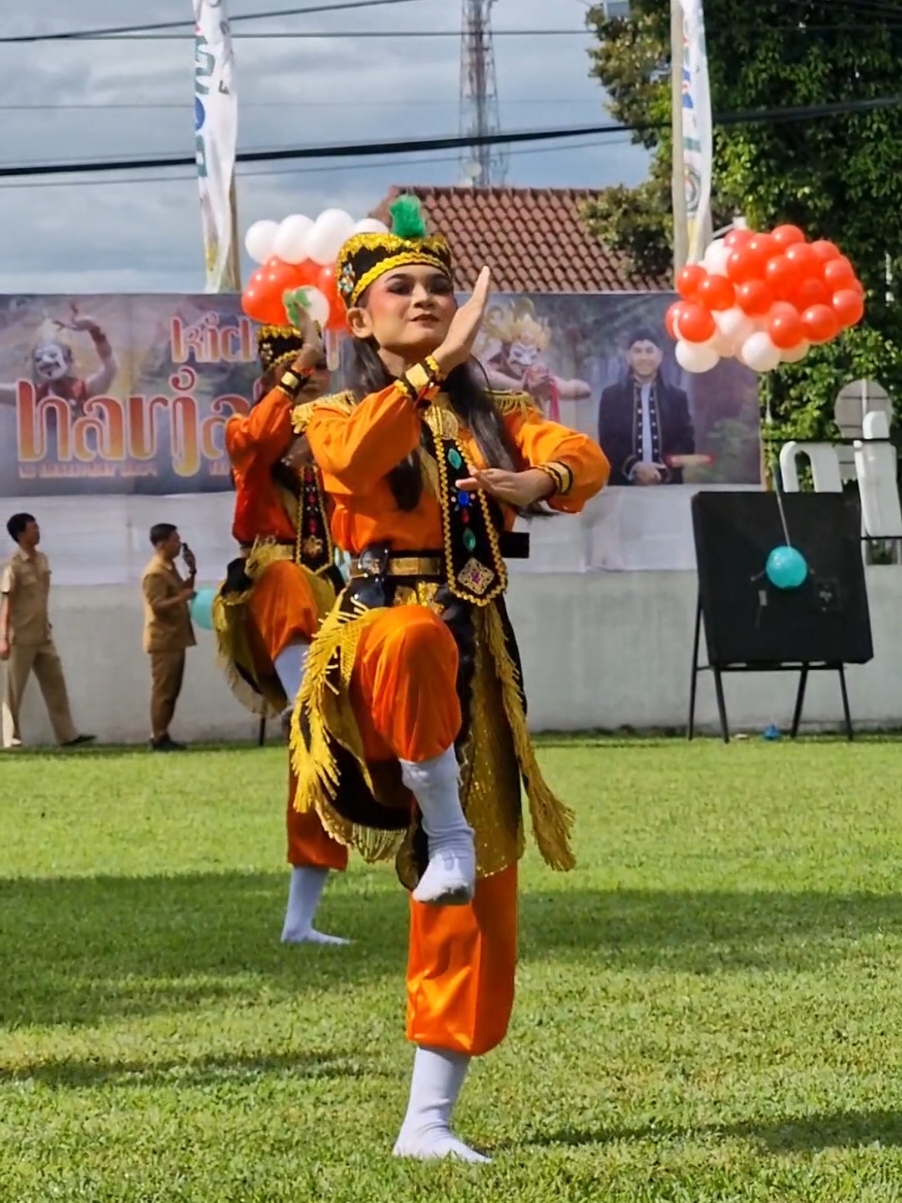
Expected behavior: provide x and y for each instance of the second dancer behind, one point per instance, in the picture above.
(410, 735)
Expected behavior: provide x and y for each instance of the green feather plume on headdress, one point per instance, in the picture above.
(407, 219)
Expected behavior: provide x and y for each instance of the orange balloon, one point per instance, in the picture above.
(838, 273)
(764, 246)
(803, 259)
(754, 298)
(716, 293)
(820, 323)
(689, 279)
(781, 277)
(785, 326)
(810, 292)
(744, 265)
(825, 250)
(696, 323)
(738, 237)
(787, 235)
(848, 307)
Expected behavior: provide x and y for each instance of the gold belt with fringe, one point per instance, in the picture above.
(400, 565)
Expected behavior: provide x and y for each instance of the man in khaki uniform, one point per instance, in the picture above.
(26, 642)
(167, 629)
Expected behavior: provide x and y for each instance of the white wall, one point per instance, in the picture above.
(600, 650)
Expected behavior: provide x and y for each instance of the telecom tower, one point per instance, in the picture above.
(481, 165)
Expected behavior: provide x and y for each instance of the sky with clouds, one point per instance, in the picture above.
(93, 100)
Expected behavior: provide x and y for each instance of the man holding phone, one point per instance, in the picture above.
(167, 628)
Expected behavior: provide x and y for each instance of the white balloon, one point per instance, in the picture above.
(316, 304)
(695, 357)
(725, 347)
(370, 225)
(330, 232)
(735, 325)
(759, 353)
(715, 260)
(259, 240)
(290, 243)
(796, 354)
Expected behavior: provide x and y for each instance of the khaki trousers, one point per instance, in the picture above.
(44, 660)
(167, 671)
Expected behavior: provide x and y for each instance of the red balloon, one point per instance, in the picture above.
(764, 246)
(785, 236)
(754, 298)
(803, 259)
(716, 293)
(857, 286)
(744, 265)
(696, 323)
(325, 282)
(673, 314)
(838, 273)
(738, 237)
(820, 323)
(689, 279)
(825, 250)
(781, 277)
(785, 326)
(848, 307)
(811, 292)
(280, 276)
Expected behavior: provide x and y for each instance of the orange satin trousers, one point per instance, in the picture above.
(282, 610)
(462, 959)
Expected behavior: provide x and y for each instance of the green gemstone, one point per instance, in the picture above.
(455, 459)
(469, 540)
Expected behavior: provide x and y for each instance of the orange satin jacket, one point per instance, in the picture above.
(356, 447)
(253, 443)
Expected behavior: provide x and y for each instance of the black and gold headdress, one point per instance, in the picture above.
(366, 257)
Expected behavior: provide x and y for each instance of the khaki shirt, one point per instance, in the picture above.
(166, 630)
(26, 585)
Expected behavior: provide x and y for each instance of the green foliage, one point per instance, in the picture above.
(837, 177)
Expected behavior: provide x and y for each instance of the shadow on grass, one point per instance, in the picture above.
(83, 949)
(783, 1134)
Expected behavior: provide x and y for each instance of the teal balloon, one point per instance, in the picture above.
(202, 608)
(786, 568)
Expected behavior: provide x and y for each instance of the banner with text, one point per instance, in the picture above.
(120, 394)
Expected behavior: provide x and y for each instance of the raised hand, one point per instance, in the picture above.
(517, 489)
(457, 346)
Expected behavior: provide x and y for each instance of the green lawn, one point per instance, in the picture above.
(709, 1008)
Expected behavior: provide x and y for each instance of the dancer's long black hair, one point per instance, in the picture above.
(470, 401)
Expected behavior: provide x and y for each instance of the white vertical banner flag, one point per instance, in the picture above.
(698, 139)
(216, 127)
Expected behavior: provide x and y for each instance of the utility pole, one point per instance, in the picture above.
(678, 184)
(481, 164)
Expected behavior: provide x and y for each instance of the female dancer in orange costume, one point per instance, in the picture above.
(410, 735)
(278, 591)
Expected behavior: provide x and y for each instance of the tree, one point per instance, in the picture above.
(835, 176)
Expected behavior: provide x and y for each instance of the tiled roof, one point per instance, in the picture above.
(534, 239)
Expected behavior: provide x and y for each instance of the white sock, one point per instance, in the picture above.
(450, 876)
(304, 893)
(289, 666)
(434, 1087)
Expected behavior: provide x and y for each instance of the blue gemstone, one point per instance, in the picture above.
(463, 498)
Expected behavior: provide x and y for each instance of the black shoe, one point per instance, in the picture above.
(79, 741)
(166, 744)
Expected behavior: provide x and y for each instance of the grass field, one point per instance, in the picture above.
(709, 1008)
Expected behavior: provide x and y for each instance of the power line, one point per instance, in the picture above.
(80, 35)
(116, 106)
(325, 34)
(455, 142)
(185, 177)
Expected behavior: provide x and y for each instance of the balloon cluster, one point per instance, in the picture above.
(300, 253)
(763, 299)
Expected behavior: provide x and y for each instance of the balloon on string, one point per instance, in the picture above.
(759, 353)
(838, 273)
(716, 293)
(785, 236)
(784, 325)
(735, 325)
(689, 280)
(201, 608)
(825, 250)
(738, 236)
(781, 277)
(695, 357)
(810, 292)
(797, 353)
(786, 568)
(369, 225)
(743, 265)
(330, 232)
(820, 323)
(696, 325)
(290, 243)
(754, 298)
(848, 307)
(259, 240)
(260, 302)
